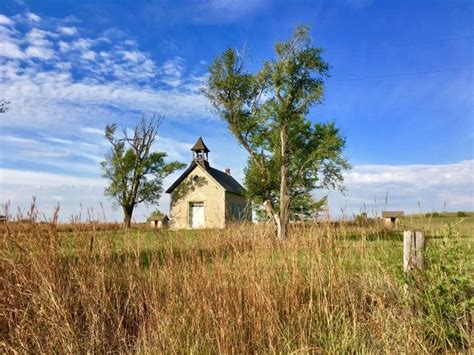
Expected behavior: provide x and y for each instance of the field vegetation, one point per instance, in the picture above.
(329, 288)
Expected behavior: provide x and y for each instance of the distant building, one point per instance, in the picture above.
(159, 221)
(3, 218)
(391, 218)
(204, 197)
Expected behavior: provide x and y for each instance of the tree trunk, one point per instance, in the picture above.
(284, 198)
(274, 216)
(127, 216)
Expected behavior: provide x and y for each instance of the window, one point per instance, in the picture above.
(235, 211)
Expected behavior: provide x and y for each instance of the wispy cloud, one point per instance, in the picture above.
(55, 76)
(172, 72)
(205, 12)
(218, 11)
(33, 17)
(92, 130)
(42, 179)
(68, 31)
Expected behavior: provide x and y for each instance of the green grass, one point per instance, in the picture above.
(436, 226)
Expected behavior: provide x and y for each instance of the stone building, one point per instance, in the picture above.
(391, 218)
(204, 197)
(159, 221)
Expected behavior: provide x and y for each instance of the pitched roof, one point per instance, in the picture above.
(158, 218)
(227, 182)
(199, 145)
(392, 214)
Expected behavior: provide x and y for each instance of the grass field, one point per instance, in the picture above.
(330, 288)
(437, 226)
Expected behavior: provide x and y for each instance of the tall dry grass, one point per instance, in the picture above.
(329, 289)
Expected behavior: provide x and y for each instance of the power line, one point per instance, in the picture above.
(401, 45)
(400, 74)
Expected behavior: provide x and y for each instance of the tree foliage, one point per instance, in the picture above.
(156, 214)
(267, 114)
(134, 171)
(4, 105)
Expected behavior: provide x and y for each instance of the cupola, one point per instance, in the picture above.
(200, 152)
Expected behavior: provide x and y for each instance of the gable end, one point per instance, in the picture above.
(227, 182)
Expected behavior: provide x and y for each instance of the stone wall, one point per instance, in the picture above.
(198, 186)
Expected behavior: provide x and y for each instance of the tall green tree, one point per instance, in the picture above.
(134, 171)
(267, 113)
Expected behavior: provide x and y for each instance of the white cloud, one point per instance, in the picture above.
(58, 100)
(39, 52)
(64, 46)
(68, 31)
(88, 55)
(39, 37)
(17, 140)
(420, 175)
(33, 17)
(42, 179)
(83, 44)
(176, 150)
(4, 20)
(92, 130)
(407, 187)
(134, 56)
(72, 81)
(81, 156)
(172, 71)
(10, 50)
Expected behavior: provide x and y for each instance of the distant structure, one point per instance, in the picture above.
(391, 218)
(204, 197)
(3, 218)
(159, 221)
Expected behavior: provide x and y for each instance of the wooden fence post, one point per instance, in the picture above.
(414, 244)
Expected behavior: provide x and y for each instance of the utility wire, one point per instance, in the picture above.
(400, 74)
(401, 45)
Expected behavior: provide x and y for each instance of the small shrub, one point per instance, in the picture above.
(462, 214)
(362, 219)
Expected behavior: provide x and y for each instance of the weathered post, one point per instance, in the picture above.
(414, 243)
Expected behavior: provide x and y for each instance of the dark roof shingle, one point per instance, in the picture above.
(226, 181)
(199, 145)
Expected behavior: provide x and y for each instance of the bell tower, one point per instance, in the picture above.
(200, 152)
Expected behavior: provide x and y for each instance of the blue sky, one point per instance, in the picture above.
(401, 90)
